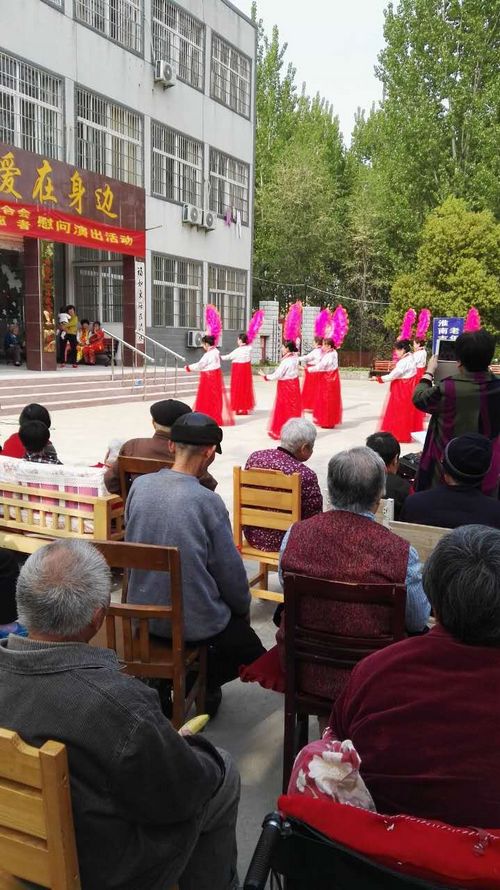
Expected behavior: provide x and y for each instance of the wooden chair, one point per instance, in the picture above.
(267, 499)
(385, 511)
(37, 837)
(127, 628)
(130, 467)
(423, 537)
(331, 650)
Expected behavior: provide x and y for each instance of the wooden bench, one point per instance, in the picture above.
(423, 537)
(381, 367)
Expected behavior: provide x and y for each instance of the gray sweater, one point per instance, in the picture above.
(173, 509)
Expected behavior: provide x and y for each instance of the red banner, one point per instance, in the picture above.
(33, 221)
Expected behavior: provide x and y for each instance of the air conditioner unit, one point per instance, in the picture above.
(164, 73)
(191, 215)
(194, 338)
(209, 220)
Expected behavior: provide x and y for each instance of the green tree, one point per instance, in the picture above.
(458, 265)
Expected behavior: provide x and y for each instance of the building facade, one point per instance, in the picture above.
(154, 94)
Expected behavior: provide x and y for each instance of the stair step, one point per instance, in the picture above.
(57, 395)
(108, 399)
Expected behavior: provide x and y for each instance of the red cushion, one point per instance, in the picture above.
(430, 850)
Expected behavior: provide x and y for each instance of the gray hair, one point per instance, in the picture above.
(356, 480)
(297, 432)
(61, 586)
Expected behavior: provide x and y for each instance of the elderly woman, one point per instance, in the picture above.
(423, 714)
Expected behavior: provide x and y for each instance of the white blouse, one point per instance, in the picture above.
(420, 356)
(210, 361)
(404, 370)
(240, 356)
(288, 369)
(312, 357)
(329, 361)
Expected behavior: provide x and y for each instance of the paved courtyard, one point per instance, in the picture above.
(249, 723)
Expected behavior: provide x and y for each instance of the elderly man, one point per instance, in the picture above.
(151, 808)
(459, 500)
(172, 509)
(157, 447)
(467, 402)
(423, 714)
(389, 449)
(297, 445)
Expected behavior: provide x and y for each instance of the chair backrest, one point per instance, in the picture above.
(37, 837)
(266, 499)
(130, 467)
(423, 537)
(385, 511)
(327, 648)
(148, 557)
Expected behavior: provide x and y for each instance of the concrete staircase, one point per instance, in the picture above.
(88, 387)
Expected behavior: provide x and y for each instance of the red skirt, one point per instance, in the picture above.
(287, 404)
(212, 399)
(242, 395)
(309, 389)
(328, 404)
(399, 412)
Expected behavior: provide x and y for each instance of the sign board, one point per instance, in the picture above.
(140, 303)
(445, 329)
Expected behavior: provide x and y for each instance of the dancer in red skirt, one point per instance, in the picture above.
(399, 413)
(242, 394)
(310, 384)
(328, 403)
(211, 397)
(288, 402)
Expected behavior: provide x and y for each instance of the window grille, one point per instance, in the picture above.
(179, 38)
(230, 76)
(177, 166)
(31, 108)
(98, 285)
(108, 138)
(227, 289)
(121, 20)
(58, 3)
(177, 292)
(228, 184)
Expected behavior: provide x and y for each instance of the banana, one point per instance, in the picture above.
(196, 724)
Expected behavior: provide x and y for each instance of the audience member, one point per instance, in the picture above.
(389, 449)
(459, 500)
(13, 447)
(70, 328)
(9, 570)
(156, 447)
(423, 714)
(34, 436)
(297, 445)
(467, 402)
(170, 508)
(151, 808)
(12, 345)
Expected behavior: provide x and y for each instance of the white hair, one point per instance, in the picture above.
(61, 586)
(356, 479)
(297, 432)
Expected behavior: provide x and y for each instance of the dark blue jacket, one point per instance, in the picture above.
(449, 506)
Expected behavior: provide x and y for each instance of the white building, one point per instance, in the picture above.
(81, 82)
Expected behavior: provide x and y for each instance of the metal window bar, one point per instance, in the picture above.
(228, 184)
(227, 291)
(121, 20)
(31, 108)
(230, 76)
(179, 38)
(99, 291)
(177, 293)
(177, 166)
(109, 138)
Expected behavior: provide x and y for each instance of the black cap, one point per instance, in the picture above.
(468, 458)
(197, 429)
(166, 412)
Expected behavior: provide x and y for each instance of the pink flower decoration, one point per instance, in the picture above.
(473, 320)
(213, 324)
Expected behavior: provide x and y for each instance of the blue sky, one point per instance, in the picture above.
(334, 46)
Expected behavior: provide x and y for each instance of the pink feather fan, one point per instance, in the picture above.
(473, 320)
(213, 324)
(340, 325)
(323, 324)
(406, 332)
(255, 325)
(424, 320)
(293, 322)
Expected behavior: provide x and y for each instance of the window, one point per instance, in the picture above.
(121, 20)
(177, 292)
(227, 290)
(31, 108)
(228, 185)
(177, 166)
(230, 76)
(108, 138)
(58, 3)
(179, 38)
(98, 285)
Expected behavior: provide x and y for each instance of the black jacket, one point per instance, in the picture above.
(449, 506)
